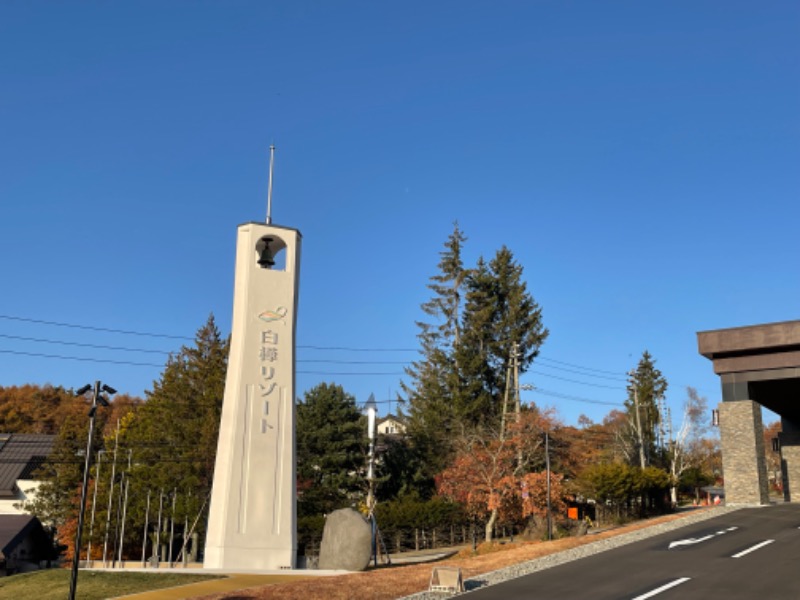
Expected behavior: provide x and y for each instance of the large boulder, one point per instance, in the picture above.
(346, 541)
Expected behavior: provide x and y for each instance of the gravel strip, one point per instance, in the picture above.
(565, 556)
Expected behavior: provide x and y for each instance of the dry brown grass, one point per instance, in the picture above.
(396, 582)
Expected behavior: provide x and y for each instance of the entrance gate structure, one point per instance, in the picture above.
(758, 365)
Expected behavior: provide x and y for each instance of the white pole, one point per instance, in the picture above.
(158, 531)
(196, 519)
(371, 409)
(269, 190)
(146, 523)
(110, 495)
(125, 506)
(94, 504)
(172, 525)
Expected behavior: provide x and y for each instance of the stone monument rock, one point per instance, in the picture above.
(346, 541)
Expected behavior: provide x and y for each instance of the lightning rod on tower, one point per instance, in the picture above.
(269, 189)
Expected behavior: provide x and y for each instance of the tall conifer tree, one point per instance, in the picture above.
(434, 377)
(646, 390)
(478, 314)
(331, 443)
(500, 313)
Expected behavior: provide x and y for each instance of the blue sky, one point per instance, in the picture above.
(640, 160)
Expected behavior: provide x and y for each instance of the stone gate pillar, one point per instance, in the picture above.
(758, 365)
(789, 440)
(743, 465)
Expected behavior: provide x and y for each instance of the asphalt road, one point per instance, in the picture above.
(753, 553)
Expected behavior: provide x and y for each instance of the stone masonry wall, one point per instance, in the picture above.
(743, 465)
(790, 465)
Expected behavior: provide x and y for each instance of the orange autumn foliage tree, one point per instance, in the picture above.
(491, 474)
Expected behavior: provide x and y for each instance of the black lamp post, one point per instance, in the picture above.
(96, 399)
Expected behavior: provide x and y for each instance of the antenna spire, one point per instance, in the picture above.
(269, 190)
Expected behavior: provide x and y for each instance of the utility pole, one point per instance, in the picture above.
(505, 397)
(547, 464)
(97, 398)
(515, 353)
(670, 440)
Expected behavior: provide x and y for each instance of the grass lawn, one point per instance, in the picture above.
(53, 584)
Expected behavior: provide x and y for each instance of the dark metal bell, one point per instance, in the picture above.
(265, 258)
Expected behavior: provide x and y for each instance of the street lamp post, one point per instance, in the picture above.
(97, 398)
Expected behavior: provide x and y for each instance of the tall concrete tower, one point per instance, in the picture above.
(253, 522)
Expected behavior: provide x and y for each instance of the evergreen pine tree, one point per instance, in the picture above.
(646, 390)
(171, 440)
(500, 314)
(433, 392)
(331, 442)
(458, 383)
(480, 380)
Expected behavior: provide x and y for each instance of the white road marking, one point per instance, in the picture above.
(752, 549)
(663, 588)
(690, 541)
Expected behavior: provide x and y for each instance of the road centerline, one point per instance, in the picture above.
(663, 588)
(752, 549)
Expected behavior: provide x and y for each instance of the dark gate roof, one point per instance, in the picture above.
(14, 529)
(20, 455)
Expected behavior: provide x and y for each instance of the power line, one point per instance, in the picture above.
(144, 364)
(349, 349)
(576, 372)
(165, 352)
(82, 345)
(345, 373)
(352, 362)
(78, 358)
(93, 328)
(597, 385)
(163, 335)
(560, 362)
(542, 361)
(569, 397)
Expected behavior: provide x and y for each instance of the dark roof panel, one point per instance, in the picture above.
(15, 528)
(20, 454)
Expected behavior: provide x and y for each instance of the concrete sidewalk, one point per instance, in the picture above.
(230, 583)
(242, 580)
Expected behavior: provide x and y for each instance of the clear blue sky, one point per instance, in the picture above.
(640, 159)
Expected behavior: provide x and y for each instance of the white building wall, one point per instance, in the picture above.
(25, 493)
